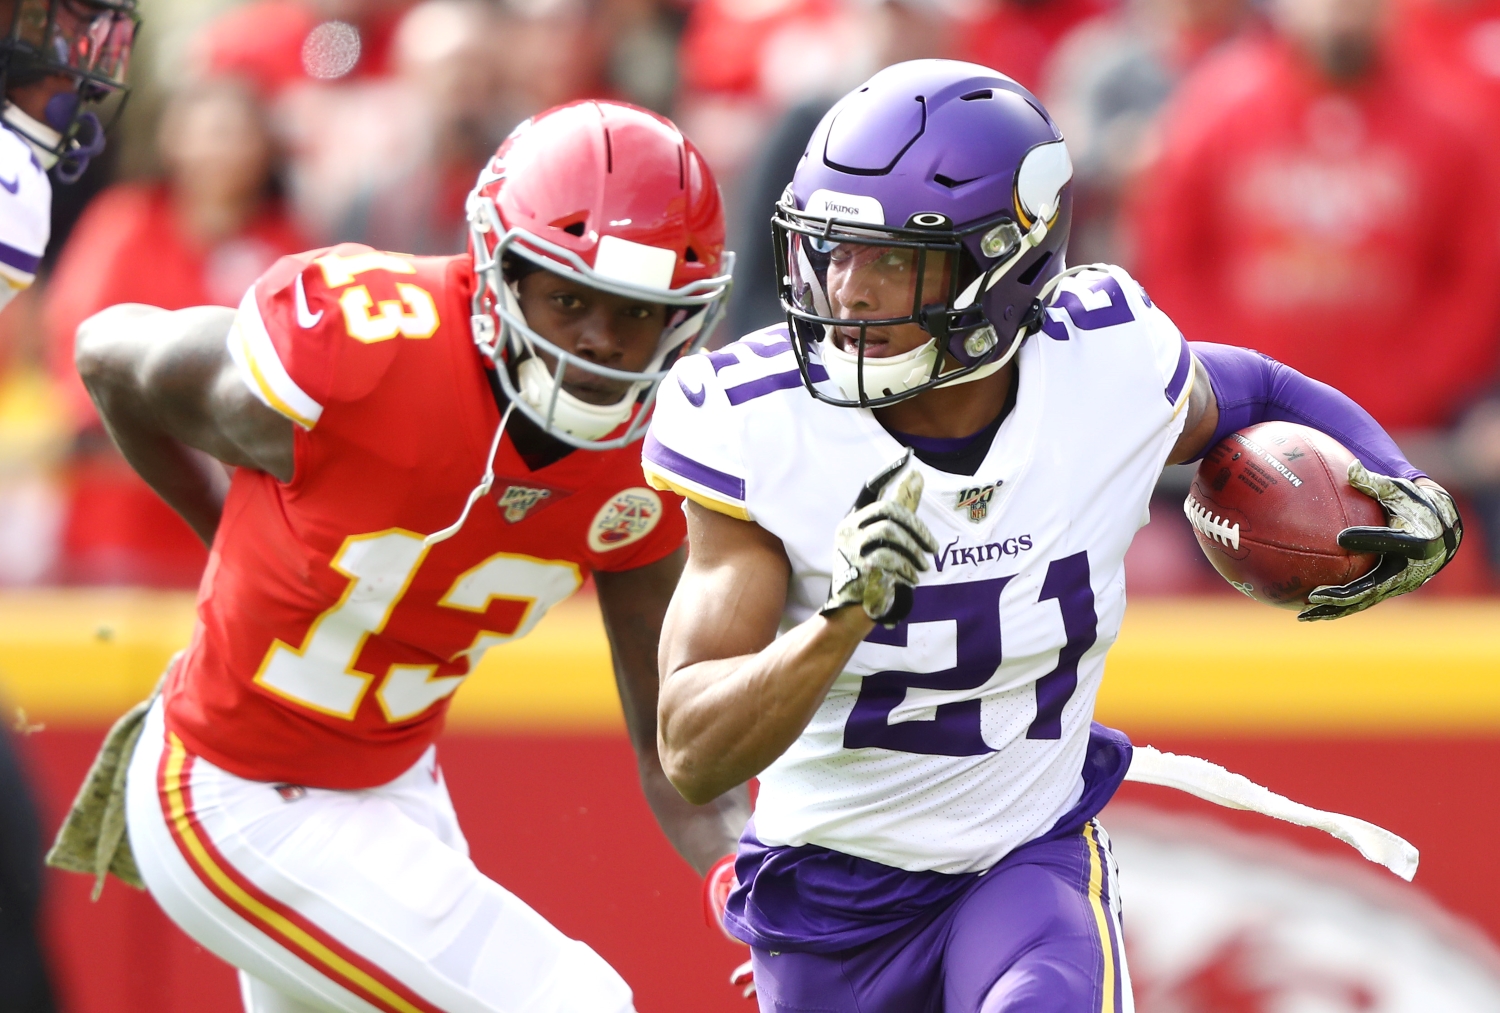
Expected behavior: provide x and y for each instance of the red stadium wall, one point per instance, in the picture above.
(552, 810)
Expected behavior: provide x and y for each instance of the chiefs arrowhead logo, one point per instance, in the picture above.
(628, 517)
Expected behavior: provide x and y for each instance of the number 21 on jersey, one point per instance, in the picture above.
(974, 607)
(321, 674)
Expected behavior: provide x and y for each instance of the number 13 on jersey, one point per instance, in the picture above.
(321, 675)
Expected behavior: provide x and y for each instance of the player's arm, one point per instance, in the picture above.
(634, 603)
(1235, 387)
(1202, 420)
(173, 402)
(734, 696)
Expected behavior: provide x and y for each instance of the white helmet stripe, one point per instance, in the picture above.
(634, 263)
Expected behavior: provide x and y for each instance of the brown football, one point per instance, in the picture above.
(1267, 505)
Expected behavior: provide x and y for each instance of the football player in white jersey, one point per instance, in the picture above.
(913, 679)
(56, 58)
(54, 55)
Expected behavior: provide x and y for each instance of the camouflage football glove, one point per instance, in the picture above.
(880, 547)
(1423, 535)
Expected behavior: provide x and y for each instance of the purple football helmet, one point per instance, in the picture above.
(939, 165)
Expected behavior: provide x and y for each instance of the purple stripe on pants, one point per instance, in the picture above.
(832, 933)
(812, 898)
(1022, 938)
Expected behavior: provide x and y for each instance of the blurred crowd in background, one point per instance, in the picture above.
(1318, 179)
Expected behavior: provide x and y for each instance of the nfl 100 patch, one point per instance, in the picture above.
(976, 500)
(628, 517)
(516, 501)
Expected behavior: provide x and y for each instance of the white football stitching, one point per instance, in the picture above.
(1212, 526)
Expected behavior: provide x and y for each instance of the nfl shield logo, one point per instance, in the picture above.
(976, 501)
(518, 500)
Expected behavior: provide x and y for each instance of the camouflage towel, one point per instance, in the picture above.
(92, 840)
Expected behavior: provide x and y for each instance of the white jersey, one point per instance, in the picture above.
(960, 734)
(25, 214)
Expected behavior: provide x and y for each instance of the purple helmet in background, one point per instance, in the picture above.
(935, 157)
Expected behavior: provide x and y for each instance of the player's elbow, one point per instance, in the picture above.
(687, 772)
(102, 344)
(691, 785)
(91, 352)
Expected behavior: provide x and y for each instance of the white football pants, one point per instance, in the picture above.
(346, 900)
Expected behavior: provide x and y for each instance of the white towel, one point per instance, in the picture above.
(1222, 787)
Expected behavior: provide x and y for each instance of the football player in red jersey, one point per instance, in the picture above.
(428, 453)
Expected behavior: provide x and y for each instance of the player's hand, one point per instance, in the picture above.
(880, 547)
(743, 978)
(717, 886)
(1423, 534)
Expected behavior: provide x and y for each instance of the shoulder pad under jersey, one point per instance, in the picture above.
(298, 329)
(25, 214)
(1108, 311)
(695, 446)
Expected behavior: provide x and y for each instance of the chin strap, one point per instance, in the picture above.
(988, 279)
(87, 144)
(482, 489)
(1044, 298)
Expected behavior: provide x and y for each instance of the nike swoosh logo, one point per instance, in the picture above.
(695, 397)
(11, 185)
(305, 317)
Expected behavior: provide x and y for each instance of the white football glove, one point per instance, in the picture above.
(1423, 535)
(880, 547)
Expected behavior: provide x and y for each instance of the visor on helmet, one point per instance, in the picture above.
(922, 274)
(87, 40)
(90, 41)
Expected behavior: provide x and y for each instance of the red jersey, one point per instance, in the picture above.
(1460, 44)
(331, 633)
(1347, 231)
(1018, 39)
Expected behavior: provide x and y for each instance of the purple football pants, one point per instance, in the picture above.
(1038, 933)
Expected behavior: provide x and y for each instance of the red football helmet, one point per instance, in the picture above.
(615, 197)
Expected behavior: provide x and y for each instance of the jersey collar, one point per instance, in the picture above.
(39, 137)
